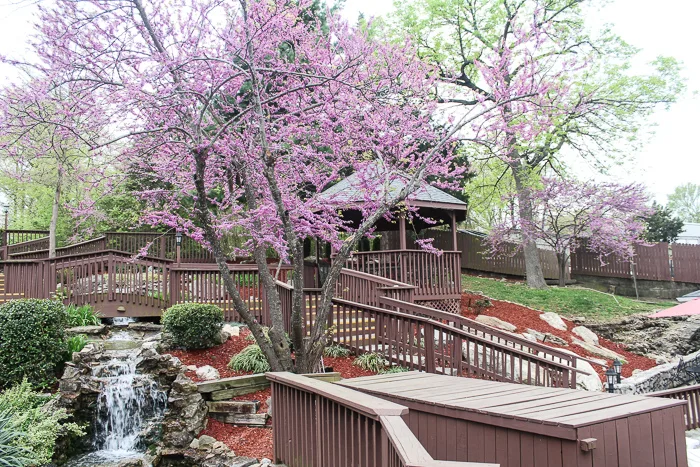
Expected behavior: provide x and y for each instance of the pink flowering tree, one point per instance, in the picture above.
(239, 113)
(607, 217)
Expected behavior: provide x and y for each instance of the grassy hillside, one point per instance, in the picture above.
(568, 301)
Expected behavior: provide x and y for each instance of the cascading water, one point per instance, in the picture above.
(127, 403)
(128, 406)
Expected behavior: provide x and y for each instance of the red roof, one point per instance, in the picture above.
(684, 309)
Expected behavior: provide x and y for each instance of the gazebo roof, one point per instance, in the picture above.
(349, 191)
(431, 202)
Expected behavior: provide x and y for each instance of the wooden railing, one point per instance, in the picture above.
(322, 424)
(28, 246)
(13, 236)
(95, 245)
(487, 332)
(366, 288)
(433, 275)
(690, 394)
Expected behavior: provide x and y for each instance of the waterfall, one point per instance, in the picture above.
(127, 403)
(130, 406)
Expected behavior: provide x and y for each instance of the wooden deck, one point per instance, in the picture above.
(459, 419)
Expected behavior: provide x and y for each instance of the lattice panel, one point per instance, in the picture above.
(450, 305)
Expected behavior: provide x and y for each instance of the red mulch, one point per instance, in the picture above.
(525, 318)
(249, 442)
(218, 356)
(344, 366)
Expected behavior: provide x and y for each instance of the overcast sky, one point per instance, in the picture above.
(659, 28)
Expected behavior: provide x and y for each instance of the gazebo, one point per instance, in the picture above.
(436, 277)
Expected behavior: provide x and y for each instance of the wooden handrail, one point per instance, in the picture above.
(691, 396)
(375, 278)
(450, 329)
(400, 251)
(470, 323)
(366, 404)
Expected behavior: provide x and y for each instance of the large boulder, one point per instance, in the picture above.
(586, 335)
(496, 323)
(554, 320)
(589, 382)
(207, 373)
(599, 351)
(186, 415)
(89, 330)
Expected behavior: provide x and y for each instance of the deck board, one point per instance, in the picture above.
(538, 405)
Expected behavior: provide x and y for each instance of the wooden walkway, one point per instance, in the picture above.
(460, 419)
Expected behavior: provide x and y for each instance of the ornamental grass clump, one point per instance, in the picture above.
(372, 362)
(32, 341)
(83, 315)
(193, 325)
(336, 351)
(250, 360)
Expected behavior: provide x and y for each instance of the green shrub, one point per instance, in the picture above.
(251, 359)
(371, 362)
(75, 344)
(32, 341)
(83, 315)
(11, 454)
(393, 369)
(336, 350)
(193, 325)
(40, 424)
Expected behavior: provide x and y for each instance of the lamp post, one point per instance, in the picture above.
(4, 238)
(611, 378)
(5, 212)
(617, 365)
(178, 243)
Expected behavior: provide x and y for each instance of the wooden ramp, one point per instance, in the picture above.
(461, 419)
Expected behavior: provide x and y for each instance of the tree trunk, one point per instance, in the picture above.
(54, 214)
(562, 259)
(533, 268)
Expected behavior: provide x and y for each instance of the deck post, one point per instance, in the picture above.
(402, 232)
(453, 224)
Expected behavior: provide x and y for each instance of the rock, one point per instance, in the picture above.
(554, 320)
(194, 444)
(89, 330)
(636, 371)
(579, 319)
(269, 406)
(586, 335)
(150, 345)
(265, 462)
(539, 336)
(496, 323)
(207, 373)
(600, 351)
(191, 368)
(232, 330)
(145, 327)
(589, 382)
(206, 442)
(549, 337)
(186, 415)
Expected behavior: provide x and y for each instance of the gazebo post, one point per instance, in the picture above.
(402, 232)
(453, 222)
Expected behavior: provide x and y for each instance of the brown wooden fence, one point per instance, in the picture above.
(12, 240)
(690, 394)
(475, 254)
(658, 262)
(321, 424)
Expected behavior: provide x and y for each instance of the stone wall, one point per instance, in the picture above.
(647, 289)
(659, 378)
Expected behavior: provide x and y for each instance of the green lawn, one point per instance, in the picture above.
(568, 301)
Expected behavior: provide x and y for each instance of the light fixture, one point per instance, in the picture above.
(611, 378)
(178, 238)
(5, 208)
(617, 365)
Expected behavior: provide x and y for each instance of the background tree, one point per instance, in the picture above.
(586, 103)
(605, 217)
(661, 225)
(249, 113)
(685, 202)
